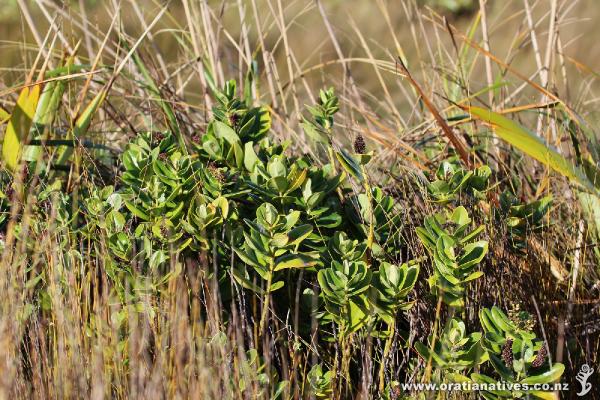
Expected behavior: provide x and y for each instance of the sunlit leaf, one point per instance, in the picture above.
(18, 126)
(524, 140)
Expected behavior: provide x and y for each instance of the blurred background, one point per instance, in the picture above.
(365, 31)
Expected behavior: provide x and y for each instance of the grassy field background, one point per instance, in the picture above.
(421, 41)
(107, 300)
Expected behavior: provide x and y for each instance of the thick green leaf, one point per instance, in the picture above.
(250, 158)
(358, 313)
(501, 320)
(222, 204)
(246, 257)
(457, 378)
(299, 233)
(279, 240)
(485, 317)
(473, 254)
(294, 261)
(426, 354)
(276, 285)
(544, 395)
(243, 279)
(349, 164)
(157, 258)
(547, 377)
(296, 180)
(224, 131)
(313, 132)
(136, 211)
(504, 371)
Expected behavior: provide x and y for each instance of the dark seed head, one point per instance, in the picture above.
(164, 231)
(359, 145)
(522, 319)
(128, 225)
(196, 138)
(507, 354)
(233, 119)
(46, 205)
(25, 171)
(162, 156)
(396, 392)
(216, 172)
(157, 137)
(539, 360)
(9, 192)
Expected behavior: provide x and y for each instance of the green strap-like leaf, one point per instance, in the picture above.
(532, 145)
(82, 124)
(18, 126)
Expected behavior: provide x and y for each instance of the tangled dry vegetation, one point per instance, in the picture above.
(188, 209)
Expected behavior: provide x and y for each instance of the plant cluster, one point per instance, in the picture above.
(236, 200)
(510, 353)
(522, 219)
(322, 240)
(455, 251)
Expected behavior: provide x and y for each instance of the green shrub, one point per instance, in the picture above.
(321, 240)
(455, 252)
